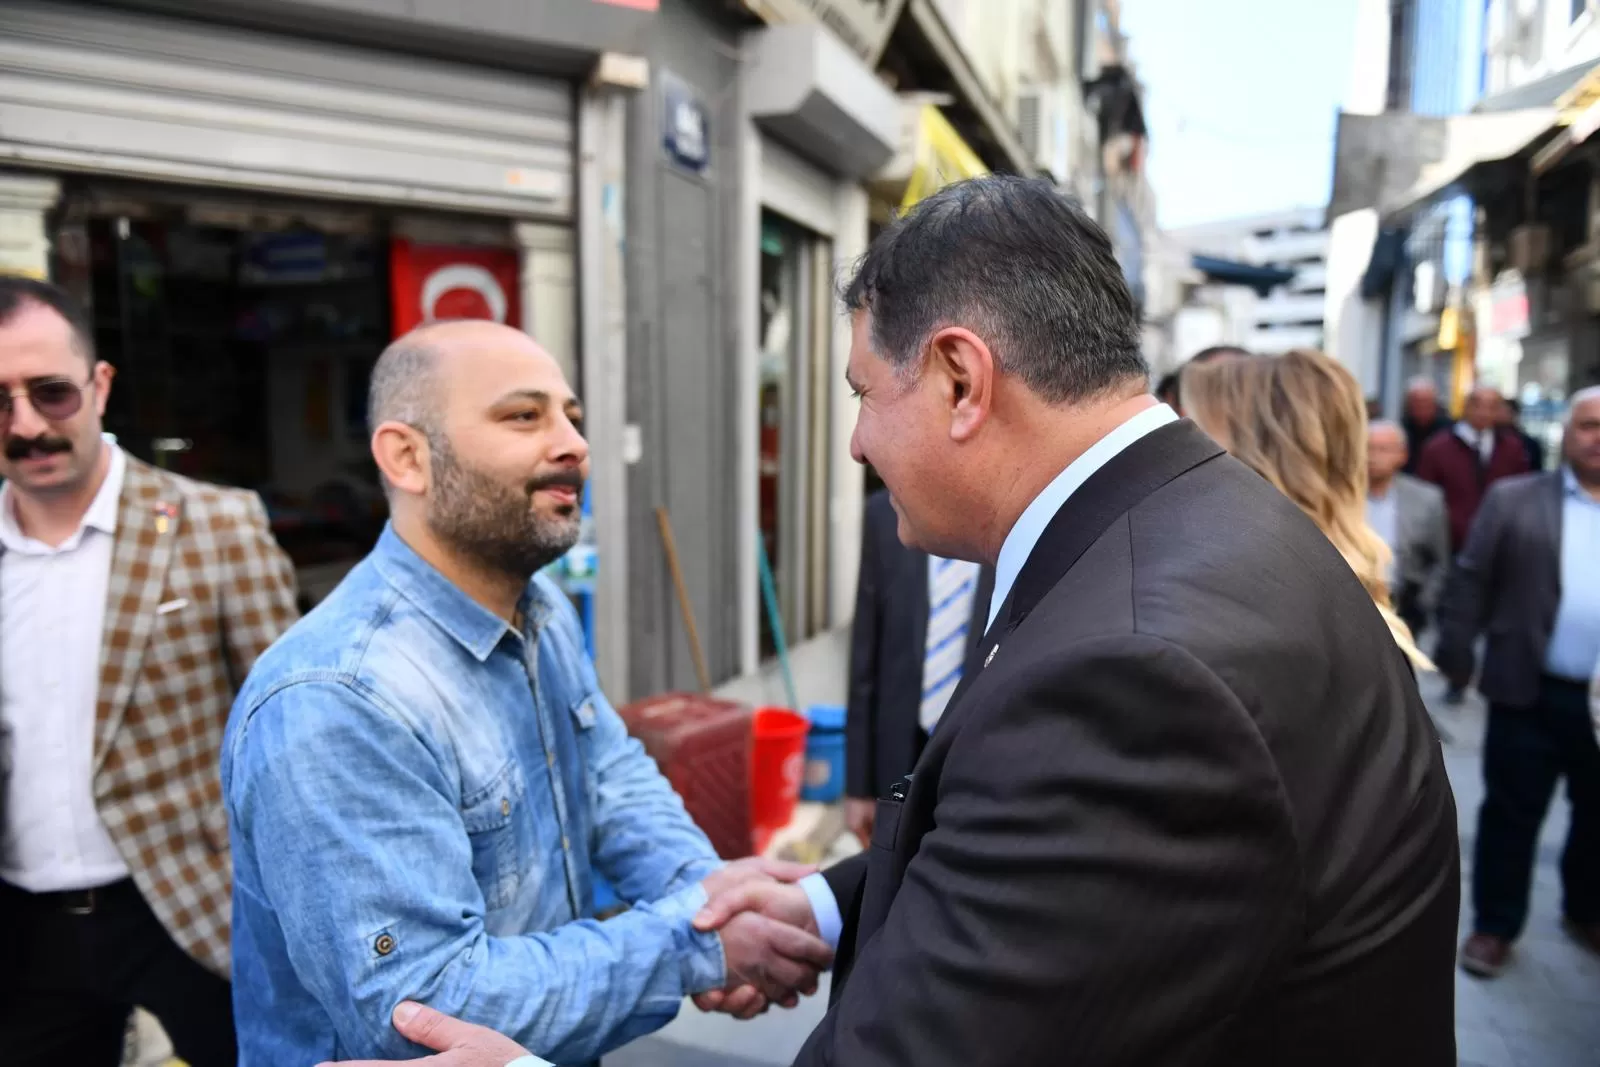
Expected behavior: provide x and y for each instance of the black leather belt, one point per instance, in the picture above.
(74, 901)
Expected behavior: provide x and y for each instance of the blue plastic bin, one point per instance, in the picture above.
(824, 778)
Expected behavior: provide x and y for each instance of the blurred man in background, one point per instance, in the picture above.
(1409, 515)
(1511, 419)
(917, 619)
(1530, 577)
(132, 604)
(1422, 419)
(1474, 455)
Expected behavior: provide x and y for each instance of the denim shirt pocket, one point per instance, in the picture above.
(491, 815)
(584, 720)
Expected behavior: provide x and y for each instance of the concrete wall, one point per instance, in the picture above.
(682, 358)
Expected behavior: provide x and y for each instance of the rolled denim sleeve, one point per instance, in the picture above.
(350, 815)
(644, 841)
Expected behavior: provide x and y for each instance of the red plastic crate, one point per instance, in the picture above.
(702, 745)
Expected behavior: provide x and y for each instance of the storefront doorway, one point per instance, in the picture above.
(793, 409)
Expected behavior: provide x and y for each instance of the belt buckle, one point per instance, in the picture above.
(86, 908)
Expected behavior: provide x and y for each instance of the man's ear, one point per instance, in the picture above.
(965, 370)
(101, 375)
(401, 453)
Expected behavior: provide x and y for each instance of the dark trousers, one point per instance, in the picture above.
(76, 965)
(1527, 751)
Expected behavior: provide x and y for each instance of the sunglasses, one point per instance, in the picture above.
(54, 399)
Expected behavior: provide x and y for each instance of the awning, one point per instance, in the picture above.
(940, 156)
(1231, 272)
(930, 156)
(1579, 117)
(1397, 162)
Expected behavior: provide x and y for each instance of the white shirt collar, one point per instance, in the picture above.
(1030, 527)
(101, 516)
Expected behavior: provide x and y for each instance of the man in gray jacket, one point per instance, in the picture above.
(1529, 578)
(1409, 515)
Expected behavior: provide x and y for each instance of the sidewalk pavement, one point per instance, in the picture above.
(1544, 1009)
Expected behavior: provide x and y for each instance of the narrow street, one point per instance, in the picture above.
(1543, 1012)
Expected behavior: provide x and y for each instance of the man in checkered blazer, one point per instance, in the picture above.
(132, 605)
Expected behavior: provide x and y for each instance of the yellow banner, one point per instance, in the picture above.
(942, 158)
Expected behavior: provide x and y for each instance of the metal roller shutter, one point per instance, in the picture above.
(112, 92)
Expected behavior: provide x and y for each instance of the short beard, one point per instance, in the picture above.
(493, 524)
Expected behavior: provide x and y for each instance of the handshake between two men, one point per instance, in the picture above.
(769, 937)
(769, 941)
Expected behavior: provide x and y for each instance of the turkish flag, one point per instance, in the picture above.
(432, 282)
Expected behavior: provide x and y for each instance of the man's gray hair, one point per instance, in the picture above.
(1386, 424)
(1422, 381)
(1582, 396)
(403, 386)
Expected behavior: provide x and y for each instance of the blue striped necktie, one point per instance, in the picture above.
(952, 584)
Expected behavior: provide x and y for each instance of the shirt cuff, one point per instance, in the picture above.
(703, 964)
(529, 1061)
(824, 909)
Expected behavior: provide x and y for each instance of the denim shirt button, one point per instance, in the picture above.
(505, 805)
(383, 945)
(566, 846)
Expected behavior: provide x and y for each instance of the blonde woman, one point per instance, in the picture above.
(1300, 421)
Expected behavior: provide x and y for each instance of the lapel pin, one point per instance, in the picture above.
(165, 513)
(990, 657)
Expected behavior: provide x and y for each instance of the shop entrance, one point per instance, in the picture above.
(793, 461)
(244, 333)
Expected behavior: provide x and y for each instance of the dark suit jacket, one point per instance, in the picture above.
(887, 645)
(1192, 812)
(1507, 580)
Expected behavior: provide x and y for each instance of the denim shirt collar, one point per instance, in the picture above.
(474, 627)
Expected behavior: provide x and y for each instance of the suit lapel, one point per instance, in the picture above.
(147, 526)
(1110, 492)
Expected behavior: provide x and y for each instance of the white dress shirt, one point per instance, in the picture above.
(1018, 546)
(52, 612)
(1482, 440)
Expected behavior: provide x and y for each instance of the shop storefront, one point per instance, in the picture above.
(252, 215)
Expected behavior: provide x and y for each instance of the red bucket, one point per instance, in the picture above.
(777, 766)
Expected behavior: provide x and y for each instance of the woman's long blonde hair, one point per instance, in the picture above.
(1300, 421)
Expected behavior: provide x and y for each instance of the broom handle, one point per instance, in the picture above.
(684, 606)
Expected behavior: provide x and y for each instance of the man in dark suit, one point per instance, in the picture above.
(1187, 806)
(917, 621)
(1530, 577)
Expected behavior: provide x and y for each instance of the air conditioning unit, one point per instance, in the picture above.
(1528, 248)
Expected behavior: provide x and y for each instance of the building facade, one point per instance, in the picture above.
(256, 196)
(1283, 317)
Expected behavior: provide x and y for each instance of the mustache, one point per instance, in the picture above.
(569, 479)
(18, 448)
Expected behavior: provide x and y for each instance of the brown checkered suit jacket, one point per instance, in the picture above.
(198, 590)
